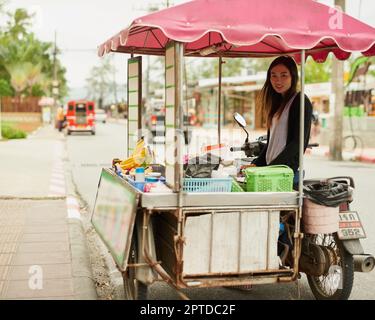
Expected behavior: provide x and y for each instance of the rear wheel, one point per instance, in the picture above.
(133, 289)
(337, 282)
(93, 133)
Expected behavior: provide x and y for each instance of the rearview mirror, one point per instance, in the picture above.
(239, 119)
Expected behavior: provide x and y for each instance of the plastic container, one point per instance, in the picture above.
(269, 179)
(139, 185)
(219, 174)
(318, 219)
(236, 187)
(154, 174)
(207, 184)
(140, 174)
(151, 179)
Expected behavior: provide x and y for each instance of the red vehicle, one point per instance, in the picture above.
(80, 116)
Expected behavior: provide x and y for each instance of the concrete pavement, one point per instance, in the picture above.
(43, 252)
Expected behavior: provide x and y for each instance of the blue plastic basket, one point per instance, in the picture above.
(207, 184)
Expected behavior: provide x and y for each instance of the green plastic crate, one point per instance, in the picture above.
(269, 179)
(236, 186)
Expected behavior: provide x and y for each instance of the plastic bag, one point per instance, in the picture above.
(329, 194)
(202, 166)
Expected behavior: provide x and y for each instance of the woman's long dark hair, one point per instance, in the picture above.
(271, 102)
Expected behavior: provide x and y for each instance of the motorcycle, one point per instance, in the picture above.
(329, 260)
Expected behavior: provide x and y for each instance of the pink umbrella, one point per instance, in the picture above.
(248, 28)
(244, 28)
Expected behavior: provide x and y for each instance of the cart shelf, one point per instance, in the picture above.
(215, 199)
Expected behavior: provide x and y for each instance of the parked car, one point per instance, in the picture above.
(100, 116)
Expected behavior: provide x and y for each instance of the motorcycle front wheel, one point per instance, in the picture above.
(337, 282)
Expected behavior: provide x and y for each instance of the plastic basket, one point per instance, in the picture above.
(207, 184)
(269, 179)
(236, 186)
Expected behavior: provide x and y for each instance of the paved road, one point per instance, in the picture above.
(88, 154)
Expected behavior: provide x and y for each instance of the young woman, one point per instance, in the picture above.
(281, 103)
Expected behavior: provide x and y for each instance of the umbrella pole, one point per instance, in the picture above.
(219, 100)
(301, 130)
(179, 120)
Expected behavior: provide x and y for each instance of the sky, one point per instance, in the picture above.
(82, 25)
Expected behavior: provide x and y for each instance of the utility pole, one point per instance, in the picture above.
(335, 148)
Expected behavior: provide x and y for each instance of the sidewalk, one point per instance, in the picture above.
(43, 253)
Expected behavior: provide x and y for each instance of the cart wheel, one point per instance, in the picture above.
(337, 283)
(93, 133)
(69, 132)
(133, 289)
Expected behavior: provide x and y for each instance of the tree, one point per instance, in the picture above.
(18, 24)
(5, 88)
(24, 58)
(18, 77)
(318, 72)
(99, 83)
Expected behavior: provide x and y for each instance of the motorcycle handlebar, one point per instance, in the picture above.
(312, 145)
(234, 149)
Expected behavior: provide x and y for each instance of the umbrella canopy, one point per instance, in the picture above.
(244, 28)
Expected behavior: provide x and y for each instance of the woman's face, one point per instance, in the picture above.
(281, 79)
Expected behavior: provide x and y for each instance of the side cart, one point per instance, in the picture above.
(211, 239)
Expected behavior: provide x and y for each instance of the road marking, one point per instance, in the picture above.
(57, 181)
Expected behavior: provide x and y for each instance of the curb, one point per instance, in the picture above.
(83, 280)
(366, 159)
(33, 133)
(84, 284)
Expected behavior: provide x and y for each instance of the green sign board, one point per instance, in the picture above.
(114, 215)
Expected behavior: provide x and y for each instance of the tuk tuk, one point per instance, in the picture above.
(196, 237)
(80, 116)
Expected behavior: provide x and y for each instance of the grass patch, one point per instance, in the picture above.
(8, 131)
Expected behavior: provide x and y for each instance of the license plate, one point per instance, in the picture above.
(350, 226)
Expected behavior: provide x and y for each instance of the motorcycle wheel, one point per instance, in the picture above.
(337, 283)
(133, 289)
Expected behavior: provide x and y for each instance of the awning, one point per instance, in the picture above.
(244, 28)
